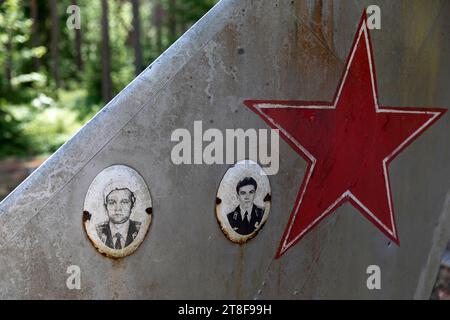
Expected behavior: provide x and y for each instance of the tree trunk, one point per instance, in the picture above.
(78, 57)
(136, 37)
(172, 21)
(158, 23)
(106, 55)
(54, 42)
(35, 32)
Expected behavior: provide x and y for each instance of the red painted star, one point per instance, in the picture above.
(347, 143)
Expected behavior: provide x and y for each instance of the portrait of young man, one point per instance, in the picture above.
(119, 231)
(246, 217)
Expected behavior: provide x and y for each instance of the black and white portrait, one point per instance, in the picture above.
(117, 211)
(243, 201)
(119, 230)
(247, 216)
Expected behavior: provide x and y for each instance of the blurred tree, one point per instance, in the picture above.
(172, 20)
(54, 50)
(136, 35)
(16, 52)
(89, 66)
(14, 35)
(190, 11)
(106, 55)
(78, 55)
(158, 16)
(35, 31)
(12, 139)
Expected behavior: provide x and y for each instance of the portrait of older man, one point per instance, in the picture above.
(246, 217)
(119, 231)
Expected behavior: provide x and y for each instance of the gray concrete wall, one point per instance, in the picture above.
(291, 50)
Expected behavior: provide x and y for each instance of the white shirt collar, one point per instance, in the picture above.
(120, 228)
(248, 209)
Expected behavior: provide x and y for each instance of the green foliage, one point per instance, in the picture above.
(122, 69)
(12, 139)
(49, 129)
(16, 84)
(35, 118)
(14, 44)
(190, 11)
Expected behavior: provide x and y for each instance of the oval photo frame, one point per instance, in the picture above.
(117, 211)
(243, 201)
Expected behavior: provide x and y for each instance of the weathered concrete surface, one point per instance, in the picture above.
(264, 49)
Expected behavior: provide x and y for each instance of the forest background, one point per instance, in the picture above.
(55, 76)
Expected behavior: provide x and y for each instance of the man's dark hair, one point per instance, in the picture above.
(132, 196)
(247, 181)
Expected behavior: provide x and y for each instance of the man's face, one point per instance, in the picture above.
(118, 205)
(246, 195)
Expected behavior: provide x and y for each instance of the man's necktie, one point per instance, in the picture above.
(246, 216)
(118, 244)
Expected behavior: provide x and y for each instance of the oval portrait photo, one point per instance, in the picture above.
(243, 201)
(117, 211)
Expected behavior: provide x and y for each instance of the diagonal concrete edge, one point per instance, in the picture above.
(430, 268)
(41, 186)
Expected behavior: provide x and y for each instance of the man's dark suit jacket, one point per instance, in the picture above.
(244, 227)
(104, 233)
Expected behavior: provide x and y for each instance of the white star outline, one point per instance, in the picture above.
(257, 106)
